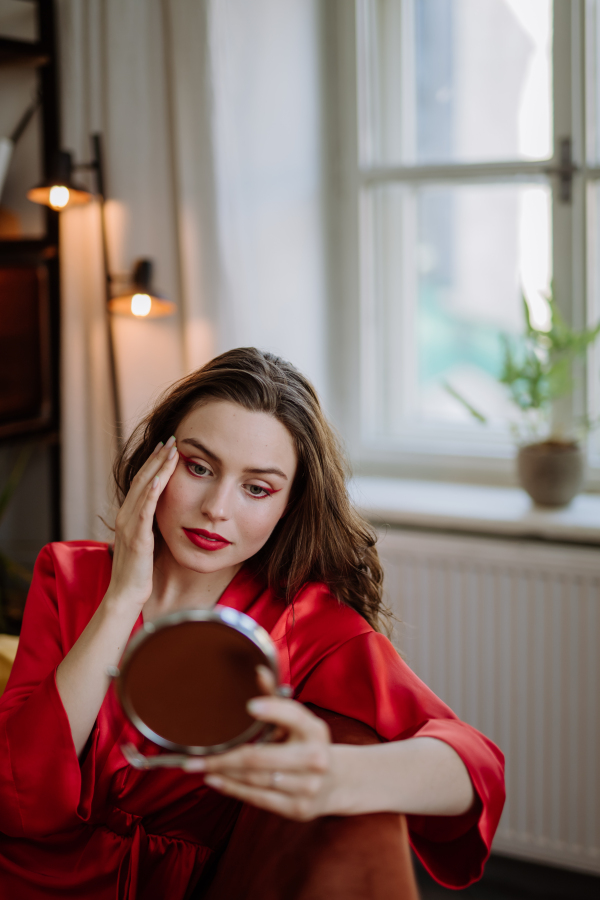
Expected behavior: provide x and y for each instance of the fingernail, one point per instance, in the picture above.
(157, 448)
(194, 765)
(171, 441)
(256, 707)
(213, 781)
(172, 452)
(155, 482)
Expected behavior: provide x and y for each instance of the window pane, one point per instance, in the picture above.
(446, 81)
(592, 57)
(444, 270)
(593, 199)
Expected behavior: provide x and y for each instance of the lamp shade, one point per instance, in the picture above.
(141, 300)
(60, 190)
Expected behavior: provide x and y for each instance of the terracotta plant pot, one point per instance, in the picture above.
(551, 472)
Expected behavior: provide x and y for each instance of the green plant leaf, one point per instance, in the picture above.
(526, 314)
(471, 409)
(559, 378)
(536, 366)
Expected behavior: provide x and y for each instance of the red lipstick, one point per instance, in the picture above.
(206, 540)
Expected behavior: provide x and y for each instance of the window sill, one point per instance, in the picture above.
(474, 508)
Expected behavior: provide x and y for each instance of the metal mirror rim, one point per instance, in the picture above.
(225, 616)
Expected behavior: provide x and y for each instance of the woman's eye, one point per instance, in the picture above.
(197, 469)
(256, 491)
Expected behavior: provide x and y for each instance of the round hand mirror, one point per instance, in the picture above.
(185, 680)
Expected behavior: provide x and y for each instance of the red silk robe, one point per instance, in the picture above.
(95, 828)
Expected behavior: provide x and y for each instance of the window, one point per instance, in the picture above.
(470, 172)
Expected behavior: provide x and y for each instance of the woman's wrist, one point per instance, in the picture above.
(351, 790)
(122, 605)
(421, 776)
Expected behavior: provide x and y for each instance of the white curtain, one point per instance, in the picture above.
(210, 119)
(268, 151)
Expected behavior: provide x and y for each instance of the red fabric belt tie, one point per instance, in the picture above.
(128, 825)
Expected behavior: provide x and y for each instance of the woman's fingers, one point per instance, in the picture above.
(144, 477)
(266, 679)
(160, 480)
(291, 715)
(292, 807)
(267, 683)
(292, 757)
(292, 778)
(306, 750)
(292, 783)
(134, 538)
(142, 500)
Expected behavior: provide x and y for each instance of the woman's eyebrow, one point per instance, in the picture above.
(270, 470)
(204, 450)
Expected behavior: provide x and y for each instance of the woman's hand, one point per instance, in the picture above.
(133, 559)
(82, 677)
(295, 778)
(307, 776)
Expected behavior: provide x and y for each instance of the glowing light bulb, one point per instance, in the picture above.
(141, 304)
(59, 197)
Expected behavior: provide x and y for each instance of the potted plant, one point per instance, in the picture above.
(537, 371)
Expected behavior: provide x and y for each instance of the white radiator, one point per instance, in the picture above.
(508, 633)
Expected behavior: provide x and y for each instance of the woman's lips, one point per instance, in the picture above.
(206, 540)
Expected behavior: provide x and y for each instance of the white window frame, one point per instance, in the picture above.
(347, 180)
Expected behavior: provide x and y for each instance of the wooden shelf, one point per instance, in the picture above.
(26, 250)
(22, 53)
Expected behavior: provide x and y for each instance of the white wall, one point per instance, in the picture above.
(268, 175)
(211, 118)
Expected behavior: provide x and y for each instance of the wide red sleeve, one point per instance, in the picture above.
(366, 679)
(43, 786)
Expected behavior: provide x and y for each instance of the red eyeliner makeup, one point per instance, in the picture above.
(185, 458)
(190, 462)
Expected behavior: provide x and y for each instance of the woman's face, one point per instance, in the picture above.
(230, 487)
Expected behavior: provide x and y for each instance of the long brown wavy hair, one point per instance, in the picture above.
(322, 537)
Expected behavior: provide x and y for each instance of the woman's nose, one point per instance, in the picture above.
(216, 503)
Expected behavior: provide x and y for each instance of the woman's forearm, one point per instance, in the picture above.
(82, 678)
(422, 776)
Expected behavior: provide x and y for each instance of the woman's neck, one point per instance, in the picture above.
(176, 588)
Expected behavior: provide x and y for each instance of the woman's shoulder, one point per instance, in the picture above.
(69, 580)
(66, 554)
(317, 623)
(312, 626)
(75, 562)
(317, 599)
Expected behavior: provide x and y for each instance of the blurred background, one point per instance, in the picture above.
(388, 193)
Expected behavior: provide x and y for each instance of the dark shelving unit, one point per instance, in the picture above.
(23, 53)
(41, 252)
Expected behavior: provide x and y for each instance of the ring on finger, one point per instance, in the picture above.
(276, 778)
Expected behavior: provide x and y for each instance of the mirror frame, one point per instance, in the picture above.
(232, 618)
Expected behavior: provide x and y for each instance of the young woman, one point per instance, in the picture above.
(232, 492)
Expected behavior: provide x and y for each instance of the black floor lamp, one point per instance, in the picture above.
(140, 300)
